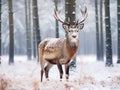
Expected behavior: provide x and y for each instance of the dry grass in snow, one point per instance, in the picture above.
(89, 75)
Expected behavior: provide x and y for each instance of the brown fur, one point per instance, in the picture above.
(56, 52)
(61, 50)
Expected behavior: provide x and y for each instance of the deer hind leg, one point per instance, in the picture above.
(60, 71)
(47, 68)
(42, 63)
(67, 71)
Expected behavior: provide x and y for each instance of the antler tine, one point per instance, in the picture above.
(85, 10)
(84, 14)
(56, 16)
(77, 22)
(58, 19)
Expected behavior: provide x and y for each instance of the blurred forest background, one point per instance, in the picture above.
(24, 23)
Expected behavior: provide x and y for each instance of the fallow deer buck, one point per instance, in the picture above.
(61, 50)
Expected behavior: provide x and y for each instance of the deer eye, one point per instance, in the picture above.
(70, 31)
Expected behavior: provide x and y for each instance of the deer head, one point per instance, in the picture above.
(72, 29)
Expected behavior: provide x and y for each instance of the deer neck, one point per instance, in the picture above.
(72, 45)
(71, 48)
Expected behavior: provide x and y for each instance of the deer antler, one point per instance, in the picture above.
(84, 14)
(59, 19)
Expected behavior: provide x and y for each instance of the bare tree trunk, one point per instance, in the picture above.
(118, 21)
(101, 32)
(28, 29)
(56, 22)
(29, 23)
(11, 27)
(34, 43)
(97, 31)
(36, 25)
(0, 29)
(70, 10)
(70, 15)
(108, 35)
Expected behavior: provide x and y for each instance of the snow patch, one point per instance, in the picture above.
(88, 75)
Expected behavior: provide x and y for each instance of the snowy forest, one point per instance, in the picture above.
(26, 23)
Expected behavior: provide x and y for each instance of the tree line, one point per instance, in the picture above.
(108, 33)
(32, 19)
(36, 29)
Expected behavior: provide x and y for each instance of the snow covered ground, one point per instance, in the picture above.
(89, 75)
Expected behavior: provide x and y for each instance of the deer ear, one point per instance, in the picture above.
(65, 26)
(80, 26)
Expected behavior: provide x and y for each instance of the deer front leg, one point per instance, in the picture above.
(67, 71)
(60, 71)
(47, 68)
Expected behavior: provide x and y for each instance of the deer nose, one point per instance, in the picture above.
(74, 36)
